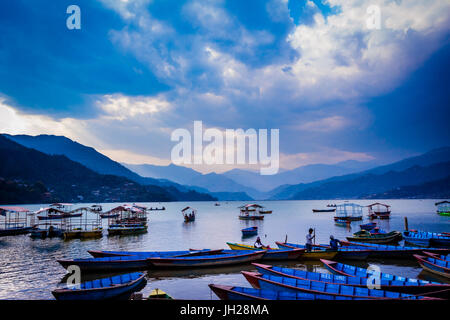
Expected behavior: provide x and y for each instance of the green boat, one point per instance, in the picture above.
(443, 208)
(376, 237)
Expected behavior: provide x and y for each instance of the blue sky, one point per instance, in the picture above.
(137, 70)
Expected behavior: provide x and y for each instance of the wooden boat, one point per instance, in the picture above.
(370, 237)
(379, 210)
(387, 281)
(49, 231)
(83, 234)
(368, 226)
(157, 209)
(189, 214)
(265, 211)
(126, 229)
(342, 222)
(391, 251)
(16, 220)
(120, 286)
(248, 232)
(400, 284)
(271, 254)
(427, 239)
(206, 261)
(437, 256)
(109, 215)
(158, 294)
(348, 211)
(443, 208)
(324, 210)
(277, 283)
(241, 293)
(434, 265)
(316, 254)
(102, 254)
(107, 264)
(250, 217)
(342, 252)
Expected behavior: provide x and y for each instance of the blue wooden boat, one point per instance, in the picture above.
(360, 277)
(342, 252)
(437, 256)
(277, 283)
(229, 257)
(107, 264)
(120, 286)
(101, 254)
(248, 232)
(391, 251)
(368, 226)
(241, 293)
(434, 265)
(427, 239)
(271, 254)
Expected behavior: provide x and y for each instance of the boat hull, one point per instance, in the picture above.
(310, 255)
(83, 234)
(276, 283)
(107, 264)
(393, 237)
(211, 261)
(413, 287)
(271, 254)
(14, 231)
(113, 292)
(432, 267)
(127, 231)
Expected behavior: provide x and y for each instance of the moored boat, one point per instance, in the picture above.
(127, 229)
(248, 232)
(356, 276)
(443, 208)
(107, 264)
(242, 293)
(277, 283)
(271, 254)
(102, 254)
(324, 210)
(427, 239)
(316, 254)
(342, 252)
(349, 212)
(376, 237)
(15, 221)
(368, 226)
(379, 210)
(434, 265)
(120, 286)
(206, 261)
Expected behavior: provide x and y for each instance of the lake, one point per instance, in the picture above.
(29, 270)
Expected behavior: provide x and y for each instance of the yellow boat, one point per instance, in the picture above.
(240, 246)
(83, 234)
(159, 294)
(310, 255)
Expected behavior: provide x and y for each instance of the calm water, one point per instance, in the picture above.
(28, 268)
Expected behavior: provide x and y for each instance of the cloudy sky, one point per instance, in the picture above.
(138, 69)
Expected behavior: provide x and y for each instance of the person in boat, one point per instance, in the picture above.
(309, 239)
(258, 244)
(334, 243)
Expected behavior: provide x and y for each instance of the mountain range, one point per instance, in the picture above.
(30, 176)
(348, 179)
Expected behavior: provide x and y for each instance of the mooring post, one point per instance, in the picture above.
(285, 239)
(406, 223)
